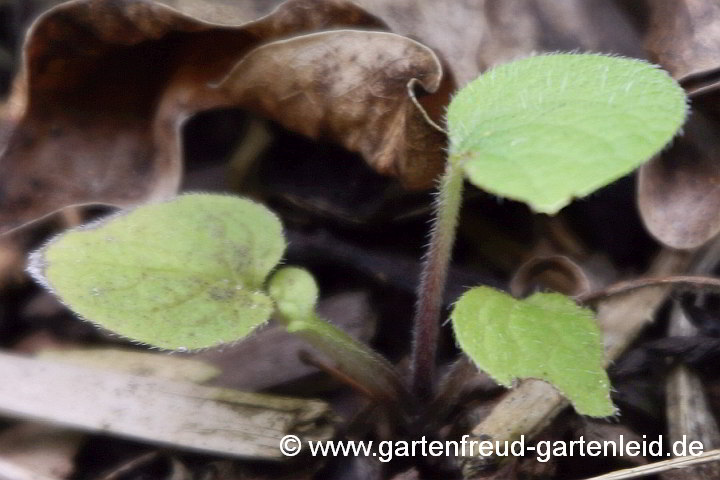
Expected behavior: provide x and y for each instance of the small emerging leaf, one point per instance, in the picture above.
(545, 129)
(295, 294)
(294, 291)
(545, 336)
(184, 274)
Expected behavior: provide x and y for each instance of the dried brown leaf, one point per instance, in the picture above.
(223, 12)
(684, 37)
(556, 272)
(678, 194)
(473, 35)
(350, 86)
(106, 86)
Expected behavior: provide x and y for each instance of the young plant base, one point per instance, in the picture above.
(202, 270)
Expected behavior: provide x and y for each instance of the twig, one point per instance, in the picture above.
(627, 286)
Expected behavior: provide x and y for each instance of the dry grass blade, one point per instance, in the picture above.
(158, 411)
(660, 467)
(689, 413)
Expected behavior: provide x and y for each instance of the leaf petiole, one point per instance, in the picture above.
(295, 293)
(426, 323)
(352, 358)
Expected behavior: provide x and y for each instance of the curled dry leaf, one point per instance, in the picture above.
(351, 87)
(95, 116)
(229, 13)
(678, 196)
(473, 36)
(678, 193)
(556, 272)
(684, 37)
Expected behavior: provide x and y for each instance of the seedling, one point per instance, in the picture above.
(202, 270)
(541, 130)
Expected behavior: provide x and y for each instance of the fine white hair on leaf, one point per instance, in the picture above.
(37, 266)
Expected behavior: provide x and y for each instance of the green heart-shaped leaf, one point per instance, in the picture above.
(184, 274)
(545, 336)
(545, 129)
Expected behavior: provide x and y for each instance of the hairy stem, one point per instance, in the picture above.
(432, 284)
(352, 358)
